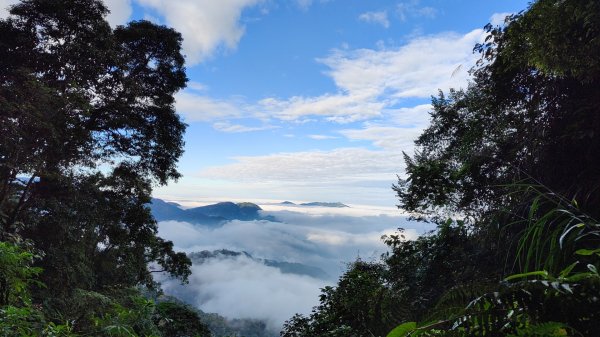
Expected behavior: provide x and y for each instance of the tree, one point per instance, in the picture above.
(531, 115)
(557, 298)
(179, 320)
(410, 283)
(360, 305)
(516, 154)
(88, 123)
(16, 274)
(421, 271)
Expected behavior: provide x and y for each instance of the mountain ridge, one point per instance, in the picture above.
(316, 204)
(209, 215)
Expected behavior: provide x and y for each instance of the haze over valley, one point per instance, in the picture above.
(243, 253)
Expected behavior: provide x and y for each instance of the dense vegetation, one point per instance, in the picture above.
(509, 170)
(88, 128)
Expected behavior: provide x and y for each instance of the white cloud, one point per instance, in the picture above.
(372, 81)
(376, 17)
(243, 288)
(412, 8)
(390, 138)
(305, 4)
(497, 19)
(364, 175)
(322, 137)
(206, 25)
(375, 191)
(120, 11)
(236, 128)
(417, 69)
(4, 6)
(197, 86)
(299, 237)
(199, 108)
(341, 108)
(417, 116)
(371, 85)
(341, 165)
(399, 134)
(327, 215)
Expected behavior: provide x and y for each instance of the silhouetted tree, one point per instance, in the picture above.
(88, 127)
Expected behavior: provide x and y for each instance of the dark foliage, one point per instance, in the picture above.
(177, 320)
(360, 305)
(531, 114)
(88, 128)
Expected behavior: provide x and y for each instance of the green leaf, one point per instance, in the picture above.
(544, 274)
(403, 329)
(565, 272)
(588, 252)
(574, 203)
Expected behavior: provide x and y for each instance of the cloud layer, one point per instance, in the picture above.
(244, 288)
(345, 164)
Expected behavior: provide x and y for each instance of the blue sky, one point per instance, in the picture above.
(310, 100)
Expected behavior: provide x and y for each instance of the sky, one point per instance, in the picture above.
(313, 100)
(310, 100)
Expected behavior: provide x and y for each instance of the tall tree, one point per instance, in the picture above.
(530, 114)
(88, 127)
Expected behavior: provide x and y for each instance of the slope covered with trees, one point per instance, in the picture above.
(509, 170)
(88, 128)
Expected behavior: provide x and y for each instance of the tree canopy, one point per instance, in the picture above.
(88, 127)
(530, 115)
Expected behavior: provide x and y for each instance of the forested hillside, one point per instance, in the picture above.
(508, 169)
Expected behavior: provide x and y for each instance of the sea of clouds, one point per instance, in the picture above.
(241, 287)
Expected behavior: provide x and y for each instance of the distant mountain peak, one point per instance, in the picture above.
(325, 204)
(249, 205)
(316, 204)
(226, 253)
(212, 215)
